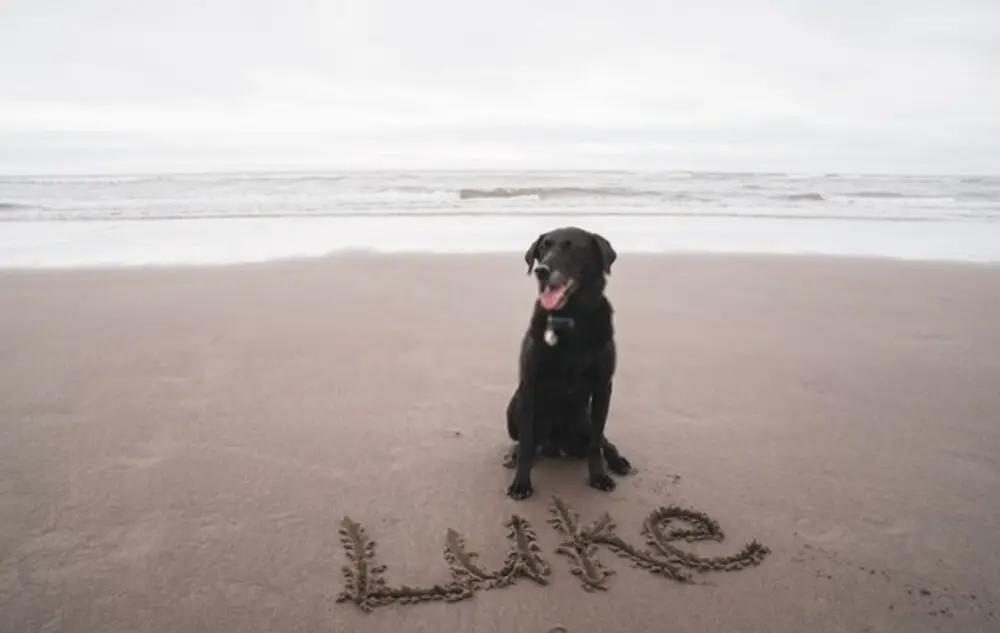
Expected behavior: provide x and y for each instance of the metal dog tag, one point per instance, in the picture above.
(550, 337)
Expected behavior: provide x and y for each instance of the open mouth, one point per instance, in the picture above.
(553, 298)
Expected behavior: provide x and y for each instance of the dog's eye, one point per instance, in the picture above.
(566, 243)
(546, 244)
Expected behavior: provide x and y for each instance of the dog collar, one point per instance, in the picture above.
(560, 323)
(553, 325)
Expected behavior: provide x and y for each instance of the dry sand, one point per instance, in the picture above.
(179, 448)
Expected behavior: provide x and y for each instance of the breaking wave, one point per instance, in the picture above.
(486, 193)
(14, 206)
(554, 192)
(878, 194)
(803, 197)
(194, 178)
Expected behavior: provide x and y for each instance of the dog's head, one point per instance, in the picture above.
(571, 261)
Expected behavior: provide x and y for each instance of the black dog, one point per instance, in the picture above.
(567, 360)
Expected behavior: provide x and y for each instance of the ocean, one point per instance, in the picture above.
(67, 221)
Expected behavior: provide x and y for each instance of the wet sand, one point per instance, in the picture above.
(179, 449)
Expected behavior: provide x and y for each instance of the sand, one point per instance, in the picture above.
(206, 449)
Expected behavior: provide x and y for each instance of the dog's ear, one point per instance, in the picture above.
(531, 255)
(605, 252)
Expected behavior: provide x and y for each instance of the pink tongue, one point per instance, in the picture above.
(550, 297)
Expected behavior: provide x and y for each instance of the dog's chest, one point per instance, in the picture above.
(565, 370)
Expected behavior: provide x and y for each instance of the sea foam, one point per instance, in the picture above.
(232, 218)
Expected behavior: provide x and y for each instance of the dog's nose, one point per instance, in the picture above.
(542, 272)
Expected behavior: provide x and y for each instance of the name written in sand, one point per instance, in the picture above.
(663, 527)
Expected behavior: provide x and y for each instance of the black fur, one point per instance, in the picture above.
(563, 395)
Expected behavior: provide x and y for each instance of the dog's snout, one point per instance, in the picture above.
(542, 271)
(549, 277)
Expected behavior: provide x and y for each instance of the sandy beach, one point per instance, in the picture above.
(179, 448)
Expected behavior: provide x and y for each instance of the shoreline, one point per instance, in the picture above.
(69, 244)
(349, 255)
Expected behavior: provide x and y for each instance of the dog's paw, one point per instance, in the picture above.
(620, 466)
(601, 481)
(510, 459)
(520, 490)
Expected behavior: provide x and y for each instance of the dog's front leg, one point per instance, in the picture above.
(521, 488)
(599, 405)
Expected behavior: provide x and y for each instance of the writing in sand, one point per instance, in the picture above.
(663, 527)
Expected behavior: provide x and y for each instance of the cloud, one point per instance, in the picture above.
(814, 84)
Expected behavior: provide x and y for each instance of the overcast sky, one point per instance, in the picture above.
(851, 85)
